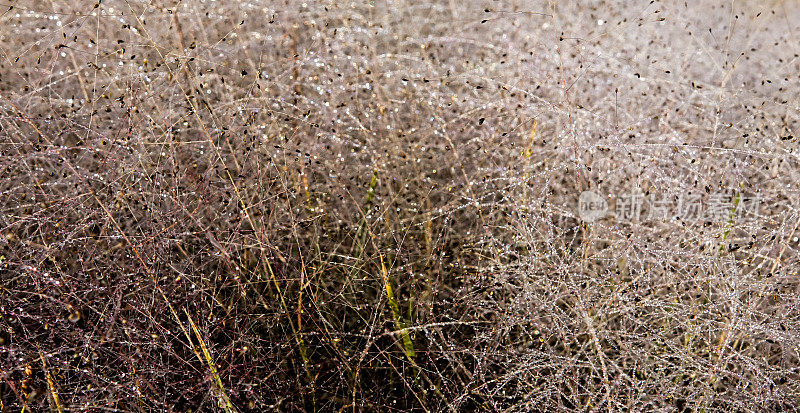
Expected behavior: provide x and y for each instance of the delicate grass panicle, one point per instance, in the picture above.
(374, 206)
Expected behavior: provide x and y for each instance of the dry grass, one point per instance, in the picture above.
(358, 206)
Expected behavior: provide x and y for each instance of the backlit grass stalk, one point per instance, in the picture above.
(361, 234)
(731, 220)
(408, 344)
(51, 385)
(301, 345)
(222, 396)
